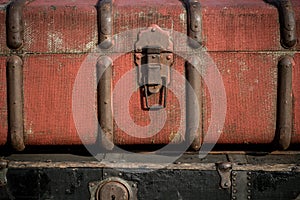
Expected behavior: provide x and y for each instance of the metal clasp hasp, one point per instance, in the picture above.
(154, 57)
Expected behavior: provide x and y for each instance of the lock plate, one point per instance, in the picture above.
(113, 188)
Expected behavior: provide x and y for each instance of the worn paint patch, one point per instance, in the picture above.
(54, 40)
(90, 46)
(182, 17)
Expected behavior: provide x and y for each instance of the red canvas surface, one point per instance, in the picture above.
(296, 100)
(48, 87)
(3, 47)
(250, 81)
(3, 101)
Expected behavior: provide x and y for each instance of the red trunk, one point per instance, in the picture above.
(242, 37)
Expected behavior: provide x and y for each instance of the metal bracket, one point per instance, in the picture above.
(224, 170)
(284, 96)
(113, 188)
(287, 22)
(15, 101)
(105, 23)
(241, 185)
(14, 24)
(154, 58)
(3, 172)
(194, 23)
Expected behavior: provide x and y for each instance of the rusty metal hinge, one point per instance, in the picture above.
(154, 57)
(105, 23)
(224, 170)
(14, 24)
(15, 101)
(287, 22)
(3, 172)
(284, 102)
(194, 23)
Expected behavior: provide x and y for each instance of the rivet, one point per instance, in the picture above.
(153, 29)
(234, 178)
(120, 174)
(234, 197)
(105, 174)
(249, 191)
(153, 56)
(248, 197)
(249, 184)
(234, 184)
(249, 173)
(169, 57)
(234, 173)
(234, 191)
(226, 184)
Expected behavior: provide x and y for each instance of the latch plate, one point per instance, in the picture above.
(224, 170)
(154, 57)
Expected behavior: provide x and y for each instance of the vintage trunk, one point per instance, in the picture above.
(142, 61)
(71, 177)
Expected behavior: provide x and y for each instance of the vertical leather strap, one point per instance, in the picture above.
(14, 38)
(287, 22)
(15, 101)
(284, 102)
(194, 30)
(193, 101)
(14, 24)
(194, 23)
(104, 74)
(105, 23)
(288, 40)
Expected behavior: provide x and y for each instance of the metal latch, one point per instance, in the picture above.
(154, 57)
(3, 172)
(224, 170)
